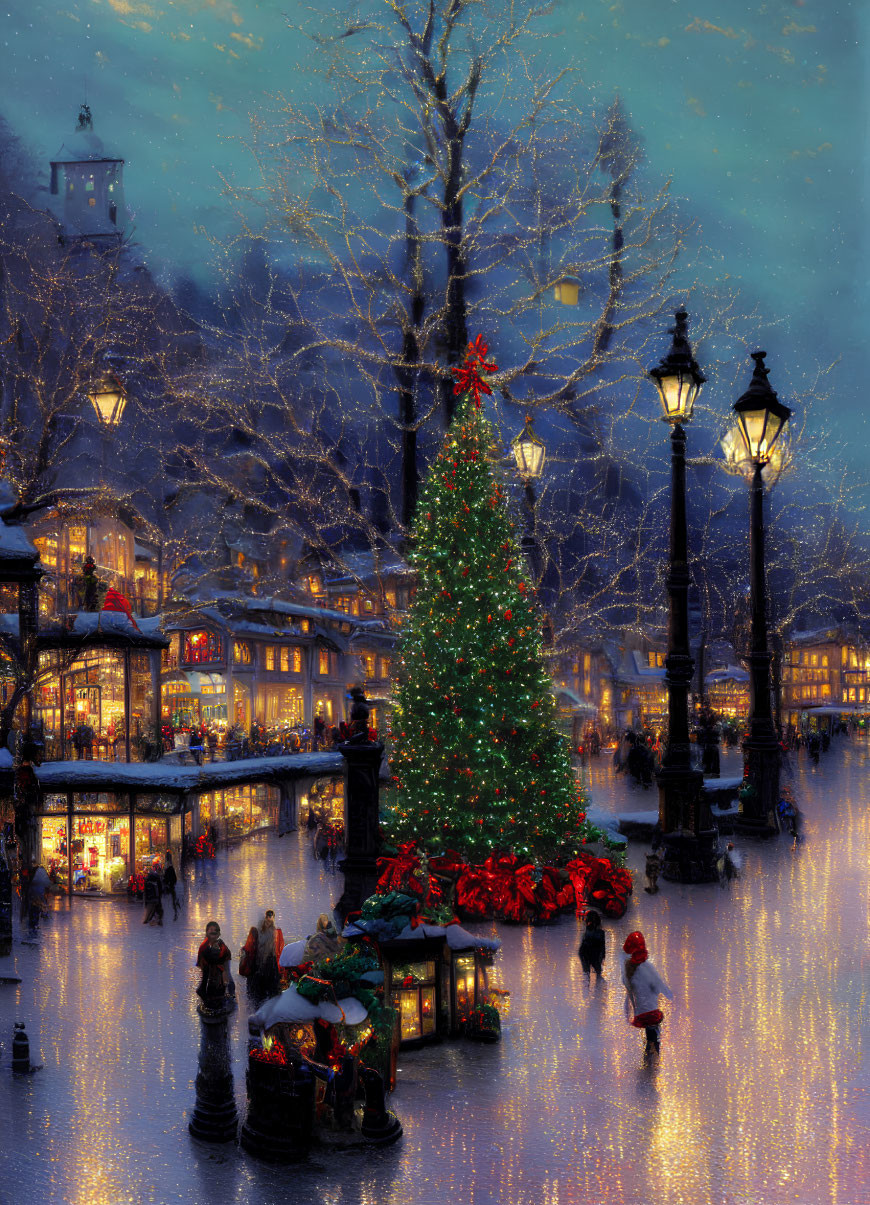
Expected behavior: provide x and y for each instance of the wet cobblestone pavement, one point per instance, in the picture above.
(760, 1096)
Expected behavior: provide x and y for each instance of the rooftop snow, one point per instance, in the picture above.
(145, 776)
(15, 545)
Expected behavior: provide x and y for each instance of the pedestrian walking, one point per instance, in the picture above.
(731, 863)
(170, 883)
(38, 883)
(653, 870)
(258, 961)
(319, 731)
(153, 892)
(213, 959)
(194, 746)
(592, 945)
(643, 986)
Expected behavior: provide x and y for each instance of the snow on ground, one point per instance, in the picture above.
(760, 1096)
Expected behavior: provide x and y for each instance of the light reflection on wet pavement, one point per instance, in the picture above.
(760, 1096)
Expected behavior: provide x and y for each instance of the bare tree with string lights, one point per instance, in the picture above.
(451, 181)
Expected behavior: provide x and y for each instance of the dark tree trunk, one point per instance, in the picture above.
(457, 314)
(409, 373)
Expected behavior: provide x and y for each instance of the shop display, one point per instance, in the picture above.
(239, 811)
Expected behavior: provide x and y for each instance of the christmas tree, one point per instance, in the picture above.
(479, 762)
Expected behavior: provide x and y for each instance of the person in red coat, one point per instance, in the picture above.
(259, 959)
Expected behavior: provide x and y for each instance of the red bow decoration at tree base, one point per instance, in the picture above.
(506, 888)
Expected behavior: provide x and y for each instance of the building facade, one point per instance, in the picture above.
(825, 670)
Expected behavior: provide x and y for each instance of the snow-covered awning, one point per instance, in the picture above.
(567, 700)
(728, 673)
(837, 709)
(291, 1008)
(457, 938)
(154, 776)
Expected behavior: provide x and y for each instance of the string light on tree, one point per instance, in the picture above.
(479, 760)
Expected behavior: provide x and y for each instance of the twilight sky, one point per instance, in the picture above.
(757, 110)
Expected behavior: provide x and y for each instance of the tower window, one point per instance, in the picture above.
(91, 202)
(89, 186)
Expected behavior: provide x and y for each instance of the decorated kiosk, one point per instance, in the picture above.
(436, 975)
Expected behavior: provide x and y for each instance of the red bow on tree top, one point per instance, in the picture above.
(468, 378)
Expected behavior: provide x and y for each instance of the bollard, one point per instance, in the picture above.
(20, 1050)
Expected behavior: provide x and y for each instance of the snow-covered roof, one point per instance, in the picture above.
(154, 776)
(836, 709)
(113, 626)
(458, 939)
(364, 566)
(723, 784)
(828, 635)
(727, 673)
(14, 544)
(84, 146)
(290, 1007)
(634, 669)
(568, 699)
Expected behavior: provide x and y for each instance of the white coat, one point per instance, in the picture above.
(642, 991)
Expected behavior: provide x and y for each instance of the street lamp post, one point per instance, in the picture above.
(760, 419)
(109, 399)
(689, 838)
(529, 453)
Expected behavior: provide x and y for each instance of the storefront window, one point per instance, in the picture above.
(100, 843)
(169, 657)
(154, 802)
(54, 850)
(141, 705)
(77, 544)
(414, 997)
(241, 652)
(284, 705)
(464, 972)
(93, 706)
(100, 801)
(239, 811)
(202, 646)
(152, 841)
(47, 546)
(325, 799)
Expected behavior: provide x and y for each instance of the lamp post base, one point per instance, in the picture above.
(360, 878)
(690, 857)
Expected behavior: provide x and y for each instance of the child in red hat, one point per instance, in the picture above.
(643, 986)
